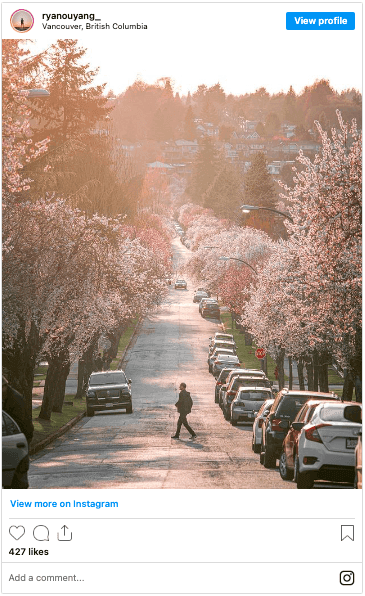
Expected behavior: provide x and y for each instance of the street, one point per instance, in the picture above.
(116, 450)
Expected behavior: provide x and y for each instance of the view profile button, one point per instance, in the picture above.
(347, 532)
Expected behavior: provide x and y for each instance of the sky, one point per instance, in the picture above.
(243, 46)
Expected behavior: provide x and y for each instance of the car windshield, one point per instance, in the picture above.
(253, 395)
(290, 406)
(333, 414)
(227, 358)
(117, 378)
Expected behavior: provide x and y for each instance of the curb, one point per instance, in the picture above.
(136, 329)
(58, 433)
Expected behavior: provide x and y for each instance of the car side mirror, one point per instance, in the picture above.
(297, 425)
(352, 413)
(285, 423)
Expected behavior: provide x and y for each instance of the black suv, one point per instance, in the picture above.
(276, 425)
(108, 390)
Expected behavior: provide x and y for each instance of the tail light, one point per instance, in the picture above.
(312, 433)
(275, 425)
(260, 423)
(219, 383)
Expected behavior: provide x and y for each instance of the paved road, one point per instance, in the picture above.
(117, 450)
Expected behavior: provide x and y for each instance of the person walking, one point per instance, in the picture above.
(184, 405)
(13, 403)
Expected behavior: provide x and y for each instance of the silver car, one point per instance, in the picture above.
(257, 425)
(247, 403)
(14, 451)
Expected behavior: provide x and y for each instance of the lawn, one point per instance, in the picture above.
(124, 340)
(44, 428)
(245, 353)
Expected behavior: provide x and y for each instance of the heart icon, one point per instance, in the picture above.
(16, 531)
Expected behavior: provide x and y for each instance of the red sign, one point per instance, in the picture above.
(260, 353)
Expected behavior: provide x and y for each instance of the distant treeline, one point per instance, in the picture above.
(155, 112)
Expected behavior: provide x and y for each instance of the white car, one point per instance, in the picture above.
(326, 446)
(220, 337)
(247, 403)
(257, 425)
(218, 352)
(14, 450)
(222, 361)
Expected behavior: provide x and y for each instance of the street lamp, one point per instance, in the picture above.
(240, 260)
(248, 208)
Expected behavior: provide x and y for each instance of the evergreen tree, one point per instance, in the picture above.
(225, 194)
(259, 186)
(189, 125)
(74, 106)
(259, 190)
(204, 171)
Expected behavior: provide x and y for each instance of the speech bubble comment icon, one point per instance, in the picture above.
(41, 533)
(16, 532)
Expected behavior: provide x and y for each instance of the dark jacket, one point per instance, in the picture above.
(185, 402)
(14, 405)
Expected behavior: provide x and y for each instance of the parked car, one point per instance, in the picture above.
(212, 311)
(228, 394)
(290, 443)
(204, 290)
(222, 361)
(248, 378)
(358, 463)
(216, 352)
(286, 406)
(326, 445)
(108, 390)
(14, 451)
(247, 403)
(221, 381)
(199, 295)
(220, 337)
(228, 345)
(205, 301)
(180, 284)
(257, 425)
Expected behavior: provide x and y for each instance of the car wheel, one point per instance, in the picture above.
(261, 456)
(269, 459)
(89, 412)
(226, 414)
(256, 448)
(284, 471)
(129, 410)
(216, 399)
(304, 480)
(233, 422)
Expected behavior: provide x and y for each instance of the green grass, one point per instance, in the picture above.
(333, 377)
(124, 340)
(44, 428)
(246, 354)
(40, 373)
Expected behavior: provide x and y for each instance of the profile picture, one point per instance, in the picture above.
(22, 21)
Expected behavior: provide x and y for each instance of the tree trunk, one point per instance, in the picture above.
(60, 388)
(315, 370)
(309, 367)
(300, 374)
(50, 386)
(80, 379)
(280, 365)
(348, 386)
(248, 339)
(323, 372)
(290, 360)
(21, 361)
